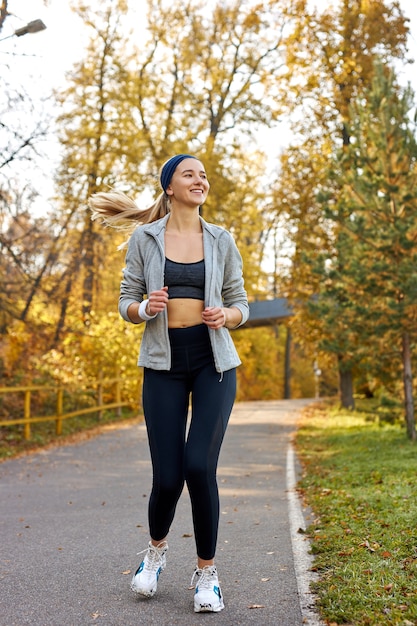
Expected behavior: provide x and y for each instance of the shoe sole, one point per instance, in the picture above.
(144, 594)
(208, 608)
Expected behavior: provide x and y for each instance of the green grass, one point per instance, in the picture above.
(360, 480)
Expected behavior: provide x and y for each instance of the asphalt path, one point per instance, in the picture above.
(74, 517)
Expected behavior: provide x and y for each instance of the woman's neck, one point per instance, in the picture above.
(184, 221)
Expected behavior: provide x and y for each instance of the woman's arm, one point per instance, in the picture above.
(234, 295)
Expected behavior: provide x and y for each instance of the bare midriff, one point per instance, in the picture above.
(184, 312)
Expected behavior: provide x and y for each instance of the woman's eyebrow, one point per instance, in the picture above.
(192, 171)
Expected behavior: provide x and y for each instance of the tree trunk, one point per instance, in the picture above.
(63, 310)
(89, 268)
(408, 388)
(287, 365)
(346, 387)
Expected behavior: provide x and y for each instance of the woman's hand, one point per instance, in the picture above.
(214, 317)
(157, 301)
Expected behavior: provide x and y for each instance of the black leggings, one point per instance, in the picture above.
(178, 456)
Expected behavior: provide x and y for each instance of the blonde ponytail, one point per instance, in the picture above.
(116, 209)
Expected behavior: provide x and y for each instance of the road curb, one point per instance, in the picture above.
(303, 559)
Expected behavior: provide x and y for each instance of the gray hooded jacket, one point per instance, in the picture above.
(144, 273)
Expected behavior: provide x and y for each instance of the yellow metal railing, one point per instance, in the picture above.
(27, 420)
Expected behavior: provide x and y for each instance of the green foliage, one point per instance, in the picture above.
(331, 60)
(379, 206)
(106, 348)
(359, 479)
(372, 278)
(361, 269)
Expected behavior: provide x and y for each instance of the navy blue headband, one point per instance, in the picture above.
(169, 168)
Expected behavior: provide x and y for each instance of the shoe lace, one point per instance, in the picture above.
(154, 554)
(205, 577)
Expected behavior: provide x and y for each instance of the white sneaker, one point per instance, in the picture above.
(145, 580)
(208, 596)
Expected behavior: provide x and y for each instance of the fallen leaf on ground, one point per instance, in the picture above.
(256, 606)
(367, 545)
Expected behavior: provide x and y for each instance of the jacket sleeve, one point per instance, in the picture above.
(133, 286)
(233, 291)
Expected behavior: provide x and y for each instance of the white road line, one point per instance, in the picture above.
(300, 546)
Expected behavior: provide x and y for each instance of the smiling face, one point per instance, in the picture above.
(189, 185)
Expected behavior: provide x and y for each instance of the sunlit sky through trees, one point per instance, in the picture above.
(40, 61)
(53, 51)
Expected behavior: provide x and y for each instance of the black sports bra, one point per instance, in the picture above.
(185, 280)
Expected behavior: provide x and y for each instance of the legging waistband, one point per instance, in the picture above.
(191, 335)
